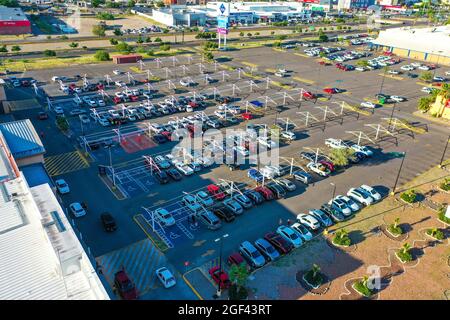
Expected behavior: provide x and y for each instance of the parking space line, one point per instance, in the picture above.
(304, 80)
(391, 76)
(186, 231)
(190, 285)
(301, 55)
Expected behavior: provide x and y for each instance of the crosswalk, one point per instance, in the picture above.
(65, 163)
(140, 261)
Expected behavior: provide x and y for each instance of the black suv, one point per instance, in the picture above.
(161, 176)
(108, 222)
(276, 189)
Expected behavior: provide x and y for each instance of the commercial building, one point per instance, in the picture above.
(354, 4)
(441, 107)
(426, 44)
(179, 16)
(23, 141)
(41, 257)
(13, 21)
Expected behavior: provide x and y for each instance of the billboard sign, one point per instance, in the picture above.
(222, 22)
(223, 9)
(222, 31)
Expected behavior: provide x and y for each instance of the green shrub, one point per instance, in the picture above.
(435, 233)
(403, 254)
(394, 228)
(164, 47)
(409, 196)
(105, 16)
(362, 288)
(445, 185)
(313, 276)
(113, 41)
(102, 55)
(342, 239)
(50, 53)
(441, 215)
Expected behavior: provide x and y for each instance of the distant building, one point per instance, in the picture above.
(441, 107)
(13, 21)
(354, 4)
(427, 44)
(179, 16)
(41, 257)
(23, 141)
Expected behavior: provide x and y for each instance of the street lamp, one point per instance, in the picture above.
(443, 154)
(220, 240)
(398, 174)
(334, 190)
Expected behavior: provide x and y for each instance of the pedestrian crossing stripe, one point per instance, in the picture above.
(140, 261)
(65, 163)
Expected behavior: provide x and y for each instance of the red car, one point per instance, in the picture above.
(125, 287)
(220, 277)
(215, 192)
(247, 116)
(308, 95)
(265, 192)
(278, 242)
(133, 98)
(167, 134)
(339, 65)
(235, 258)
(100, 87)
(117, 100)
(327, 164)
(331, 90)
(388, 53)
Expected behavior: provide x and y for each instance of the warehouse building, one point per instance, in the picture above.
(13, 21)
(427, 44)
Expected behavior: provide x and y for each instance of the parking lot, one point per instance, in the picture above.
(129, 190)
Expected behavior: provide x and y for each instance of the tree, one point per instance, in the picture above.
(362, 63)
(271, 32)
(158, 39)
(9, 3)
(150, 52)
(281, 37)
(405, 248)
(148, 40)
(323, 37)
(15, 48)
(426, 76)
(208, 55)
(3, 49)
(124, 47)
(238, 275)
(73, 45)
(131, 3)
(424, 104)
(97, 3)
(105, 16)
(113, 41)
(99, 30)
(101, 55)
(164, 47)
(241, 34)
(117, 32)
(139, 40)
(50, 53)
(315, 270)
(340, 156)
(160, 4)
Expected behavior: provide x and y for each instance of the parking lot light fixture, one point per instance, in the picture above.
(220, 240)
(398, 174)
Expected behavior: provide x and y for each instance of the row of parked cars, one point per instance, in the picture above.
(273, 245)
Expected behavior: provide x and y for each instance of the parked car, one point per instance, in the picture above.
(276, 189)
(253, 256)
(161, 176)
(254, 196)
(243, 200)
(42, 115)
(220, 277)
(341, 206)
(349, 202)
(184, 169)
(108, 222)
(125, 287)
(235, 259)
(174, 174)
(372, 192)
(77, 210)
(309, 221)
(290, 235)
(302, 231)
(318, 168)
(265, 192)
(164, 217)
(234, 206)
(363, 149)
(191, 203)
(162, 162)
(321, 217)
(255, 175)
(302, 176)
(286, 184)
(205, 199)
(209, 219)
(335, 143)
(360, 196)
(282, 246)
(336, 215)
(166, 277)
(368, 104)
(216, 192)
(62, 186)
(224, 213)
(267, 250)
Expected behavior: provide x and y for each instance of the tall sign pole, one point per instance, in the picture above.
(223, 22)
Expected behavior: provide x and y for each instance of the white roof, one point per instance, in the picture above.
(40, 256)
(428, 40)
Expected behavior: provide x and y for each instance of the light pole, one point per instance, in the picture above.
(443, 154)
(392, 115)
(220, 240)
(334, 190)
(382, 80)
(110, 165)
(398, 174)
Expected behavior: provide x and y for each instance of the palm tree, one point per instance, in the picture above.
(405, 248)
(365, 280)
(433, 231)
(342, 233)
(239, 274)
(396, 222)
(315, 270)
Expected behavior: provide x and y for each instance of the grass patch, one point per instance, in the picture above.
(445, 185)
(404, 256)
(395, 230)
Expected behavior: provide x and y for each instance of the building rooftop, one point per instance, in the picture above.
(22, 138)
(429, 40)
(12, 14)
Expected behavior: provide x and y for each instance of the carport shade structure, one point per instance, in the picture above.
(22, 139)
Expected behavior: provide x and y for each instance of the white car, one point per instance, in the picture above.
(101, 103)
(62, 186)
(301, 230)
(335, 143)
(362, 69)
(416, 64)
(393, 72)
(103, 122)
(341, 206)
(184, 169)
(120, 84)
(290, 235)
(318, 168)
(288, 135)
(286, 184)
(350, 203)
(279, 74)
(164, 217)
(84, 118)
(372, 192)
(447, 73)
(426, 68)
(398, 98)
(77, 210)
(407, 68)
(360, 195)
(309, 221)
(438, 79)
(59, 110)
(166, 277)
(185, 83)
(368, 104)
(363, 149)
(117, 72)
(55, 78)
(206, 161)
(427, 89)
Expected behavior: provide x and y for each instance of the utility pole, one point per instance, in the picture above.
(221, 239)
